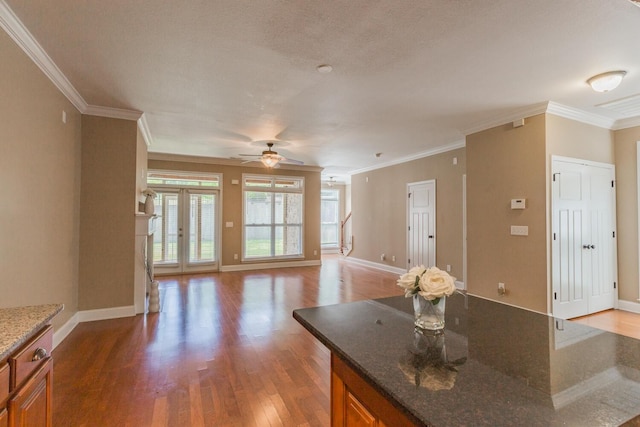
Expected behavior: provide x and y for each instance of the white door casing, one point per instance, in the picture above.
(583, 237)
(421, 223)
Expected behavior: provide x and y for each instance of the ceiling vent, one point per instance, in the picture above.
(628, 107)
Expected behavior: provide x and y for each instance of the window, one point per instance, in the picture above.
(183, 179)
(273, 216)
(330, 218)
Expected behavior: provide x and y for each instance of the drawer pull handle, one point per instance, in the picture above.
(39, 354)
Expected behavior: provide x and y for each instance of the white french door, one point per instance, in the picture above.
(583, 240)
(421, 211)
(186, 238)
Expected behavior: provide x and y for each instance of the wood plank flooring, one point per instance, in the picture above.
(223, 351)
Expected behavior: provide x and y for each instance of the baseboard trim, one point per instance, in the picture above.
(62, 332)
(377, 266)
(106, 313)
(633, 307)
(89, 316)
(266, 265)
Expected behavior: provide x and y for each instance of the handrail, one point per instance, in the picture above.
(346, 236)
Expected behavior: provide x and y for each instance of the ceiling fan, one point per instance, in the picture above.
(271, 158)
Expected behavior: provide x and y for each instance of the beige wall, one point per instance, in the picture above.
(569, 138)
(379, 209)
(231, 239)
(40, 190)
(505, 163)
(108, 204)
(627, 211)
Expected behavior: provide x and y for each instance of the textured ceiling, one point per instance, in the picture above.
(408, 76)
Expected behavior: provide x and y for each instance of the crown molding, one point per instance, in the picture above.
(626, 123)
(516, 114)
(23, 38)
(228, 162)
(144, 129)
(580, 115)
(421, 155)
(113, 113)
(12, 25)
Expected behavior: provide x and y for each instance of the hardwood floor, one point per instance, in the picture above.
(620, 322)
(223, 351)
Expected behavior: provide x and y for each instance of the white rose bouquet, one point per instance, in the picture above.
(430, 283)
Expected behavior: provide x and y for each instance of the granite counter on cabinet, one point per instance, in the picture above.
(494, 365)
(19, 323)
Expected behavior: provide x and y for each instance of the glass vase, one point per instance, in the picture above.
(429, 314)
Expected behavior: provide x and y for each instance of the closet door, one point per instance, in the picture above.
(583, 237)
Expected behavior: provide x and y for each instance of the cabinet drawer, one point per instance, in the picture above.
(31, 356)
(4, 384)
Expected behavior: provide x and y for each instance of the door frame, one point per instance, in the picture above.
(183, 266)
(408, 222)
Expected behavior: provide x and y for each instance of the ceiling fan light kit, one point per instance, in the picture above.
(606, 81)
(271, 158)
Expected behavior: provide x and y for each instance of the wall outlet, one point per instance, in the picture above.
(235, 256)
(501, 289)
(448, 268)
(382, 257)
(393, 258)
(315, 252)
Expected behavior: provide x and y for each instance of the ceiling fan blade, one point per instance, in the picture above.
(251, 155)
(292, 161)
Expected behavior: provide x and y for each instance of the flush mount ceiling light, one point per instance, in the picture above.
(330, 182)
(606, 81)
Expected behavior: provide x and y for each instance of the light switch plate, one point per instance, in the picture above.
(519, 230)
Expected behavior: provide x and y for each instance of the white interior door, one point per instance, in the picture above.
(186, 238)
(421, 235)
(583, 237)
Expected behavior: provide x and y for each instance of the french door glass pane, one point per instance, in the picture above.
(165, 238)
(202, 208)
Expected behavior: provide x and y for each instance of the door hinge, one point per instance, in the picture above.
(409, 261)
(612, 184)
(409, 228)
(614, 285)
(614, 234)
(554, 236)
(554, 176)
(409, 195)
(555, 295)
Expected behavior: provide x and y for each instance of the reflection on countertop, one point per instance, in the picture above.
(495, 364)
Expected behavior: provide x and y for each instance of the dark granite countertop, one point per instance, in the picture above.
(494, 365)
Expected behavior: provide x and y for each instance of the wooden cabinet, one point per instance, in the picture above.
(31, 405)
(355, 403)
(27, 378)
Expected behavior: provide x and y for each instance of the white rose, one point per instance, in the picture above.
(436, 283)
(407, 281)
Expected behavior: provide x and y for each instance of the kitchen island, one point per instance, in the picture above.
(26, 367)
(494, 365)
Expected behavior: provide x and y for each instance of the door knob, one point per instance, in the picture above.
(585, 246)
(593, 246)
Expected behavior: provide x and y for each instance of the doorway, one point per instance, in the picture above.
(584, 264)
(421, 211)
(186, 239)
